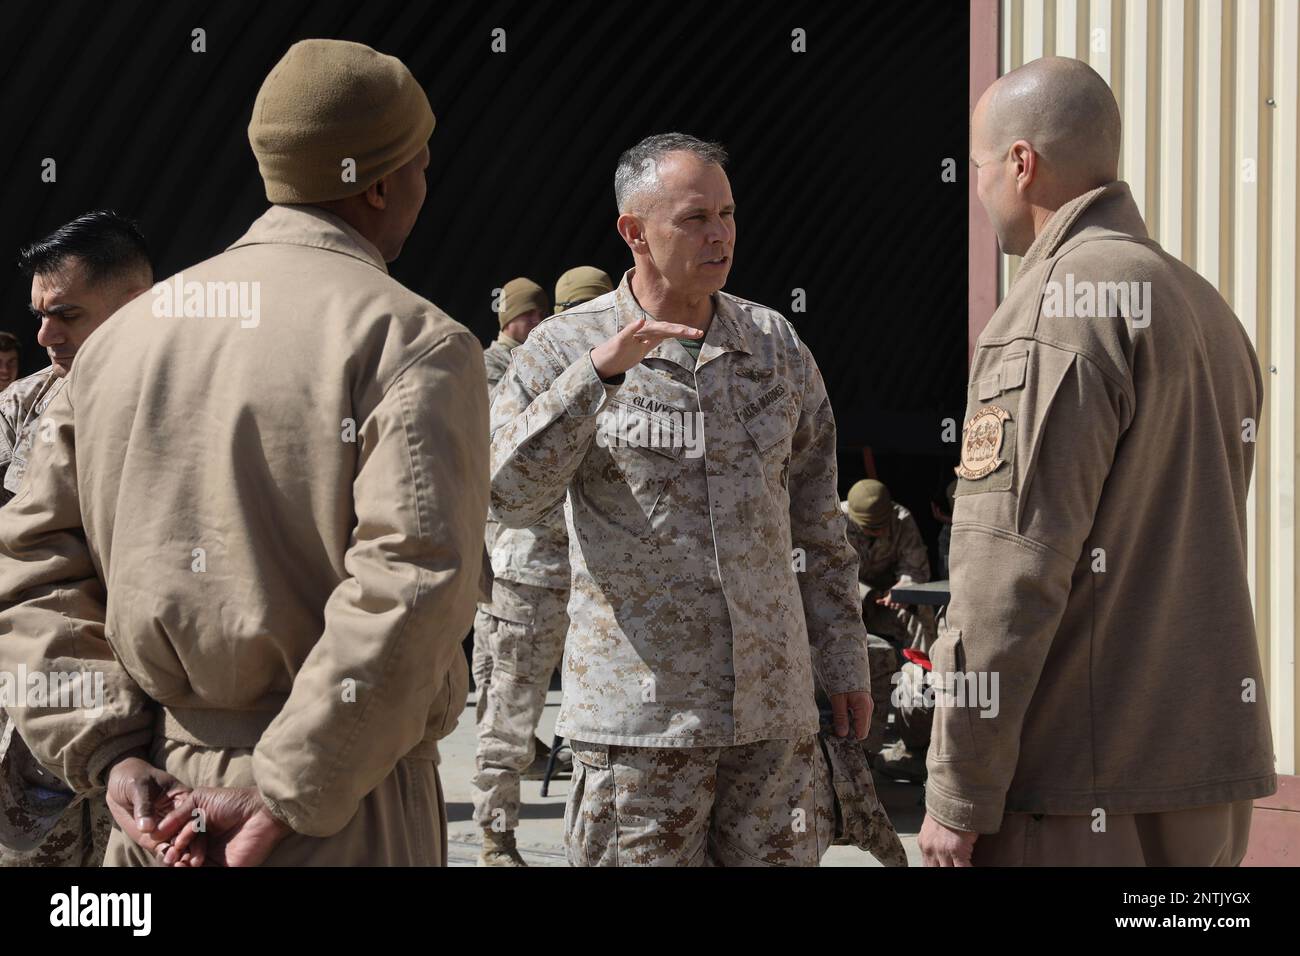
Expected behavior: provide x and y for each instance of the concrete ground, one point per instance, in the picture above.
(541, 825)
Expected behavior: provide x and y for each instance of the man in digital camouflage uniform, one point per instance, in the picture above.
(520, 306)
(691, 438)
(891, 554)
(519, 637)
(81, 274)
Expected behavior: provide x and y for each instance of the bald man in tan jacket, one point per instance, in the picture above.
(1106, 701)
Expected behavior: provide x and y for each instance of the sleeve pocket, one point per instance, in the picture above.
(1013, 370)
(952, 739)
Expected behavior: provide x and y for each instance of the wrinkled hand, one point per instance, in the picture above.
(227, 826)
(856, 704)
(634, 342)
(139, 795)
(944, 846)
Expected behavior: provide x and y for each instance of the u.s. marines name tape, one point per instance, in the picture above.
(768, 398)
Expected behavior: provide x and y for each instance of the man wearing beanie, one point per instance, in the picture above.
(519, 636)
(691, 438)
(521, 305)
(581, 284)
(283, 514)
(891, 554)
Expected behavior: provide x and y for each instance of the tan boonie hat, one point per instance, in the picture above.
(330, 101)
(581, 284)
(519, 296)
(869, 503)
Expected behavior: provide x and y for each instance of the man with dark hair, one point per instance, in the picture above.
(81, 274)
(692, 436)
(10, 350)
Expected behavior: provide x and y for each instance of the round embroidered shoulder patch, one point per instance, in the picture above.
(981, 441)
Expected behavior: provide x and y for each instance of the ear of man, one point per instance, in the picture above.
(376, 195)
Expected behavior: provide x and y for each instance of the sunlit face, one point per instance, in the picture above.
(70, 308)
(8, 369)
(690, 228)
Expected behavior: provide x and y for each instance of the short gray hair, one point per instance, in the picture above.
(638, 168)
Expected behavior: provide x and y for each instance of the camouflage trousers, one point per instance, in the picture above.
(42, 823)
(518, 643)
(883, 658)
(768, 803)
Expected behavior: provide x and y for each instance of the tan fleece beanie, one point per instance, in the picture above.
(329, 101)
(870, 504)
(519, 296)
(581, 284)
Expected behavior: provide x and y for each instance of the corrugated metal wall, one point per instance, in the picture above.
(1208, 92)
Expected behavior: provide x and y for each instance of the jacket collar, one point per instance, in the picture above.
(726, 333)
(314, 227)
(1108, 208)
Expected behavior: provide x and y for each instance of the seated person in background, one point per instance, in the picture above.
(890, 554)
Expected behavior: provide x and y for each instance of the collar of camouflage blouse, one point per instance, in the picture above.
(728, 332)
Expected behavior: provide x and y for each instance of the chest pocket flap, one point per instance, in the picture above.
(643, 453)
(1009, 375)
(624, 426)
(771, 426)
(1013, 370)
